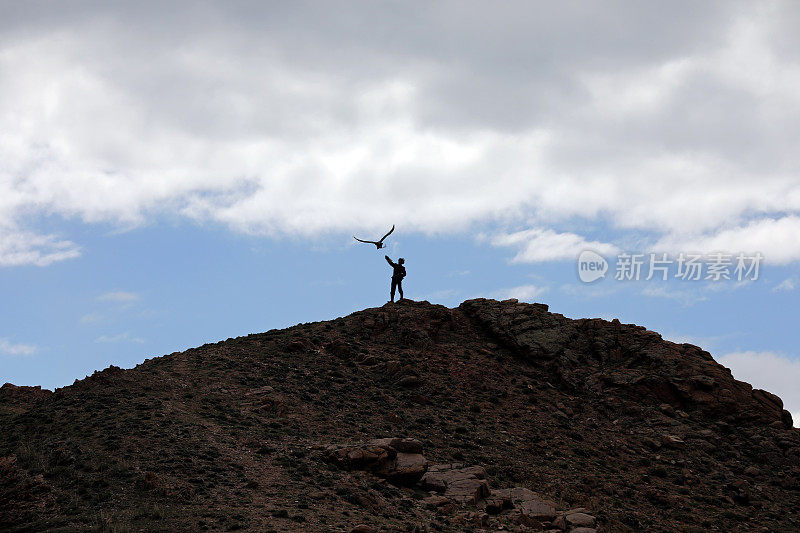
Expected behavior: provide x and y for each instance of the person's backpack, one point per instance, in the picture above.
(402, 272)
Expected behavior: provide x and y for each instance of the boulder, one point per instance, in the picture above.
(575, 520)
(407, 469)
(381, 458)
(467, 491)
(671, 441)
(439, 476)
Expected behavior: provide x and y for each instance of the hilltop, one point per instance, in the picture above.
(407, 417)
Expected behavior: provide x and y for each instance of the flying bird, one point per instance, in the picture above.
(379, 243)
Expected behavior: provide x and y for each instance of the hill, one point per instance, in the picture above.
(407, 417)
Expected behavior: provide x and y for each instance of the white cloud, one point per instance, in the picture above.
(542, 244)
(92, 318)
(789, 284)
(521, 292)
(121, 297)
(776, 239)
(27, 248)
(705, 342)
(592, 290)
(685, 297)
(276, 121)
(9, 348)
(121, 337)
(774, 372)
(441, 295)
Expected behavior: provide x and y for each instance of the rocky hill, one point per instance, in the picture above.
(408, 417)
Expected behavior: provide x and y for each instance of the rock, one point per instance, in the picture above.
(709, 434)
(752, 471)
(339, 349)
(537, 510)
(532, 509)
(406, 445)
(650, 443)
(560, 523)
(409, 382)
(436, 500)
(583, 530)
(363, 458)
(439, 476)
(368, 361)
(580, 520)
(260, 391)
(295, 346)
(671, 441)
(463, 485)
(393, 367)
(577, 510)
(408, 468)
(467, 491)
(362, 528)
(381, 458)
(667, 409)
(494, 505)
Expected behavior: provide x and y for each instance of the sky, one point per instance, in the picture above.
(181, 173)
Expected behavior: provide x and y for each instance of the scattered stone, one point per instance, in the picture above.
(409, 382)
(436, 500)
(752, 471)
(368, 361)
(339, 349)
(381, 458)
(671, 441)
(440, 475)
(393, 367)
(651, 443)
(580, 520)
(404, 445)
(537, 511)
(407, 469)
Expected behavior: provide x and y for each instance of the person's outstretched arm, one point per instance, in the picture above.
(388, 260)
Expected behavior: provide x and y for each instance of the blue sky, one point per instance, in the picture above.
(169, 178)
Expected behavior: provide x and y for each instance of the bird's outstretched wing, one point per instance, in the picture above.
(390, 232)
(368, 242)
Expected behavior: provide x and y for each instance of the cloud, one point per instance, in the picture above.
(707, 342)
(9, 348)
(684, 297)
(18, 248)
(441, 295)
(541, 244)
(121, 337)
(280, 120)
(789, 284)
(774, 372)
(776, 239)
(521, 292)
(92, 318)
(121, 297)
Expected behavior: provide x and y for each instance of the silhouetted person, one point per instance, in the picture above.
(397, 276)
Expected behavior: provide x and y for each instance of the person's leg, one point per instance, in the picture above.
(394, 284)
(400, 288)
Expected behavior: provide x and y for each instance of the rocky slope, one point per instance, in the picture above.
(408, 417)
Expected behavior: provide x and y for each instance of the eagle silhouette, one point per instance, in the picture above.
(379, 244)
